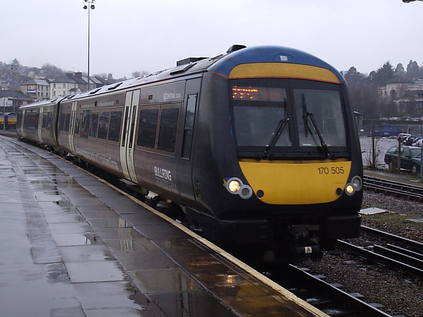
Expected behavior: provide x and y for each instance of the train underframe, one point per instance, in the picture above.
(285, 237)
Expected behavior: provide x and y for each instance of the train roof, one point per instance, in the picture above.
(269, 54)
(221, 64)
(42, 103)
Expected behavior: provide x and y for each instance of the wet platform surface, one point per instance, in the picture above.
(72, 246)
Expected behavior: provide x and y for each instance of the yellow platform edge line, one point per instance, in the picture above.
(265, 280)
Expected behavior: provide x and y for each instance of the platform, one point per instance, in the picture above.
(70, 245)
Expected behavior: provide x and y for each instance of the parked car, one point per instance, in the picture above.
(410, 158)
(409, 140)
(417, 142)
(403, 136)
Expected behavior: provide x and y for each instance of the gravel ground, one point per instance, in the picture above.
(398, 292)
(397, 220)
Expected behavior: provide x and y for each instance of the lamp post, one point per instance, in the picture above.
(4, 113)
(407, 1)
(89, 5)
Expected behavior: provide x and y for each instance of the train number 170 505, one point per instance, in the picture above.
(330, 170)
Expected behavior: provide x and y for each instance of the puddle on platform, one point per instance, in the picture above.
(48, 196)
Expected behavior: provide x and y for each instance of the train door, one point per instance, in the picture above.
(72, 124)
(185, 165)
(40, 125)
(21, 122)
(130, 117)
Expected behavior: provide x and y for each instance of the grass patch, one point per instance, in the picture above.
(393, 218)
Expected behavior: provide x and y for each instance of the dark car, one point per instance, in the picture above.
(410, 158)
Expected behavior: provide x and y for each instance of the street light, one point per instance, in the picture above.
(407, 1)
(89, 5)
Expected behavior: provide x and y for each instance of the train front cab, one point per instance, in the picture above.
(297, 173)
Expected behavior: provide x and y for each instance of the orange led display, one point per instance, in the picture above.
(244, 93)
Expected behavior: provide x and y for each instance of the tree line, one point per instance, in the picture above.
(364, 95)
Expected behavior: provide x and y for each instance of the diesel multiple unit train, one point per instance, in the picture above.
(256, 146)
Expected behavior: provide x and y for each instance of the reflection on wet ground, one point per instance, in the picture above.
(50, 264)
(86, 242)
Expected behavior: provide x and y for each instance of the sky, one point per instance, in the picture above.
(150, 35)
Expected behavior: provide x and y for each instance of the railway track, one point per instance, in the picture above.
(408, 243)
(393, 188)
(328, 297)
(394, 251)
(391, 257)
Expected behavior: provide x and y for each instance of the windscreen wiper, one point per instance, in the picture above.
(275, 136)
(306, 116)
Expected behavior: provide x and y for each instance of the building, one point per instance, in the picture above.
(82, 81)
(406, 95)
(63, 86)
(11, 100)
(38, 89)
(394, 89)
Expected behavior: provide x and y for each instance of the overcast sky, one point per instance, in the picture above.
(130, 35)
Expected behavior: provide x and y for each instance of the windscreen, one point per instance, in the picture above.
(257, 113)
(286, 114)
(324, 108)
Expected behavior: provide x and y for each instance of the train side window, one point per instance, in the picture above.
(115, 122)
(147, 127)
(189, 125)
(93, 125)
(103, 125)
(61, 119)
(167, 131)
(66, 122)
(125, 123)
(78, 120)
(49, 119)
(31, 120)
(85, 124)
(19, 118)
(45, 118)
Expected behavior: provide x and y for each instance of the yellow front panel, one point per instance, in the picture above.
(296, 183)
(283, 70)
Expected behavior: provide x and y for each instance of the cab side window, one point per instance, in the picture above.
(167, 131)
(189, 125)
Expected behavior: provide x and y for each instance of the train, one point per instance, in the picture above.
(257, 147)
(8, 121)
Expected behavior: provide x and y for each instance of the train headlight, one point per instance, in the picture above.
(357, 183)
(234, 185)
(349, 189)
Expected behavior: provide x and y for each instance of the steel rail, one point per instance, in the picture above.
(393, 187)
(412, 243)
(399, 256)
(380, 258)
(349, 300)
(416, 255)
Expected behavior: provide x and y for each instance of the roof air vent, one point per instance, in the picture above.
(189, 60)
(235, 47)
